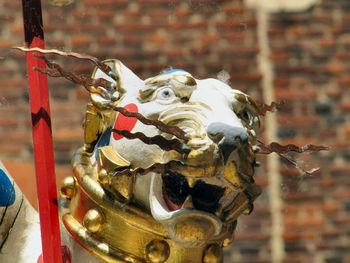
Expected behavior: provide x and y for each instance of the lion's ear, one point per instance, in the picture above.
(124, 79)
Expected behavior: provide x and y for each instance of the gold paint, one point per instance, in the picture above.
(117, 70)
(103, 177)
(243, 201)
(93, 220)
(91, 127)
(251, 105)
(95, 123)
(232, 176)
(186, 80)
(193, 230)
(231, 234)
(198, 172)
(199, 163)
(127, 230)
(228, 190)
(188, 124)
(123, 185)
(254, 107)
(60, 3)
(238, 205)
(183, 88)
(98, 101)
(146, 94)
(199, 103)
(188, 119)
(184, 116)
(227, 242)
(191, 124)
(86, 176)
(201, 157)
(246, 169)
(213, 254)
(248, 210)
(157, 251)
(110, 161)
(253, 191)
(100, 249)
(240, 97)
(158, 80)
(181, 109)
(188, 202)
(68, 187)
(191, 181)
(197, 142)
(164, 78)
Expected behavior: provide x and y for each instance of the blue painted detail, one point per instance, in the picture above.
(104, 140)
(173, 70)
(7, 192)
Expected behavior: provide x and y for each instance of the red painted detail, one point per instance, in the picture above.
(172, 206)
(125, 123)
(66, 256)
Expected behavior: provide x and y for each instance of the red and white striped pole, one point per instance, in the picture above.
(42, 136)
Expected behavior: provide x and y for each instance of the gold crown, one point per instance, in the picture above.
(119, 232)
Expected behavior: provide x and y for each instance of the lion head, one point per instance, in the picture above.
(194, 181)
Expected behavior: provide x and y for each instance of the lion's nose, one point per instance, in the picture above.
(227, 137)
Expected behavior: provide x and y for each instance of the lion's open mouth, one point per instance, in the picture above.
(175, 189)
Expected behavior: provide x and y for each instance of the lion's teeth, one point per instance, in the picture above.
(191, 181)
(188, 203)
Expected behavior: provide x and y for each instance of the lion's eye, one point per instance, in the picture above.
(246, 116)
(166, 93)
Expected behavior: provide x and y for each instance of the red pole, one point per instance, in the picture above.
(42, 137)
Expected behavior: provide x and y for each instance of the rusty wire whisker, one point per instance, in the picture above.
(104, 88)
(104, 67)
(282, 150)
(161, 168)
(94, 86)
(158, 124)
(297, 166)
(159, 140)
(274, 105)
(90, 84)
(278, 148)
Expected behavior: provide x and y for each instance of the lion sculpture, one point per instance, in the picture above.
(166, 169)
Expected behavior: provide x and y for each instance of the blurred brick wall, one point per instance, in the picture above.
(309, 53)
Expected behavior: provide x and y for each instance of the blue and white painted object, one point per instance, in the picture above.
(19, 223)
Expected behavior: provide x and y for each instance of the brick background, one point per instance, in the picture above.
(309, 52)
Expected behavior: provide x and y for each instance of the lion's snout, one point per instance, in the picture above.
(227, 137)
